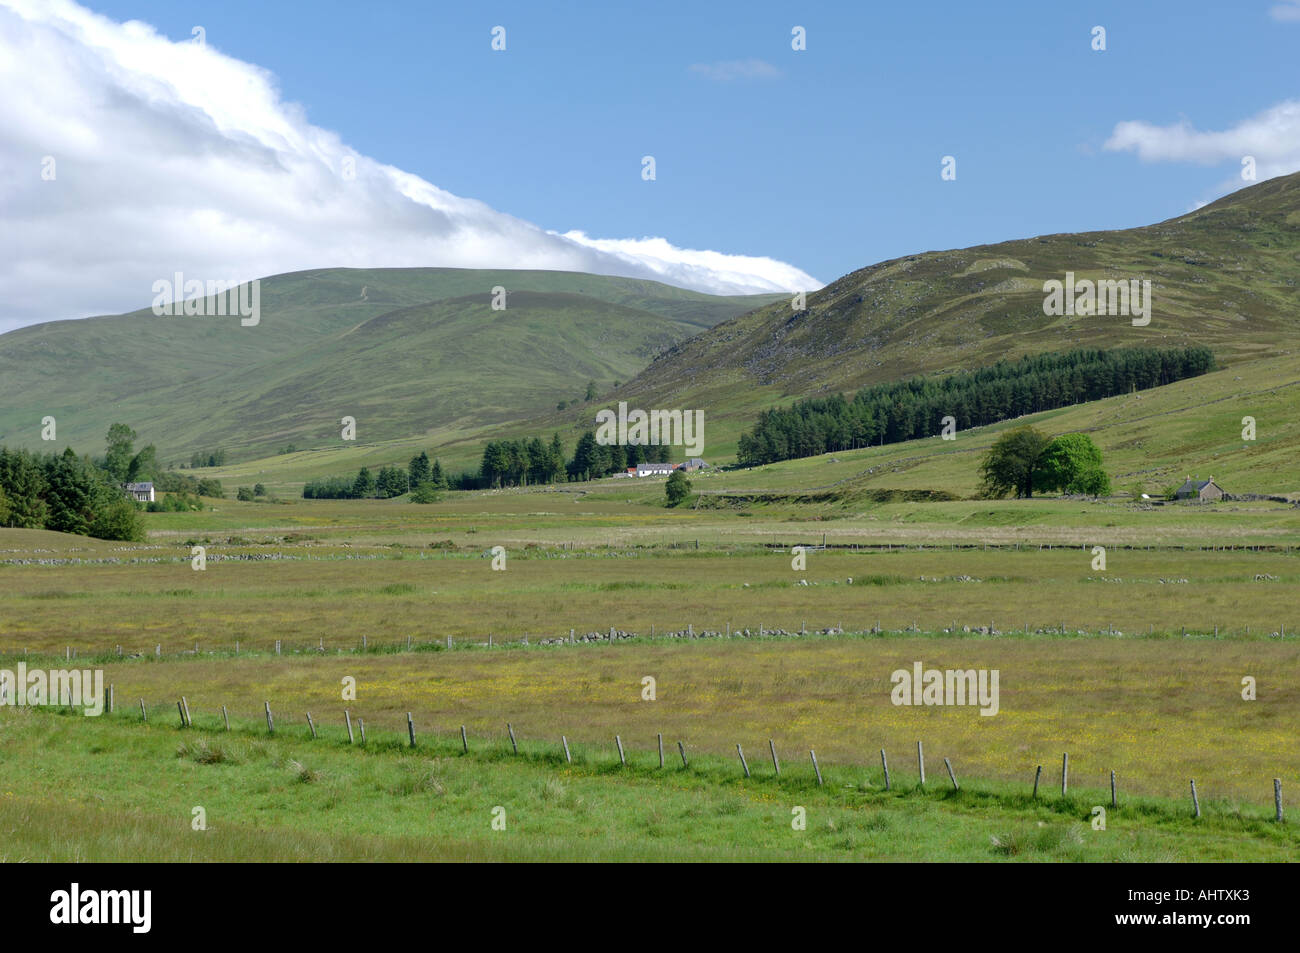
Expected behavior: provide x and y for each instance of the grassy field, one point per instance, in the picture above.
(1158, 711)
(1093, 662)
(127, 791)
(392, 571)
(1136, 667)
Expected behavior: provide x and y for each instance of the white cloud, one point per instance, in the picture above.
(685, 267)
(1288, 11)
(1272, 137)
(729, 70)
(174, 157)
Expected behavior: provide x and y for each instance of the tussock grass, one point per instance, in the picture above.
(1059, 841)
(202, 751)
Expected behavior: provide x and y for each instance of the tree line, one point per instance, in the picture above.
(528, 462)
(904, 410)
(423, 479)
(520, 462)
(75, 494)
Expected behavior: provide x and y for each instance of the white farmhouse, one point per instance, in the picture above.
(140, 492)
(655, 469)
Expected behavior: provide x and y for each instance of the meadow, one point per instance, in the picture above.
(1123, 668)
(112, 789)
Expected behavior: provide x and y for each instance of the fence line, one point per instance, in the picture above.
(187, 722)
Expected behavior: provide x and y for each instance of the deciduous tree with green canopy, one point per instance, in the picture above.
(677, 488)
(426, 493)
(1071, 463)
(1012, 463)
(121, 448)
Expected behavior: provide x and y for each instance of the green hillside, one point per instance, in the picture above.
(1149, 440)
(405, 351)
(1225, 276)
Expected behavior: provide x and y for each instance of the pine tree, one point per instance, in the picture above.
(364, 485)
(418, 472)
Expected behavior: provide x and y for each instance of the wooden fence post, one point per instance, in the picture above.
(621, 758)
(818, 771)
(776, 765)
(410, 728)
(270, 722)
(1065, 772)
(682, 749)
(948, 764)
(110, 698)
(181, 710)
(884, 763)
(464, 740)
(361, 724)
(348, 718)
(1114, 801)
(312, 725)
(567, 757)
(1037, 774)
(920, 761)
(512, 737)
(144, 715)
(745, 766)
(1277, 798)
(185, 704)
(1196, 804)
(661, 749)
(225, 716)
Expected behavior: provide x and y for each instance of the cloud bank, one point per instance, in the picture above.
(125, 157)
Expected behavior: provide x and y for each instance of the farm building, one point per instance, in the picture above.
(1203, 491)
(655, 469)
(140, 492)
(693, 464)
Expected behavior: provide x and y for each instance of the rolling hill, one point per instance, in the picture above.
(405, 351)
(423, 362)
(1226, 276)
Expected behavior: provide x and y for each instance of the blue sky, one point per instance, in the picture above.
(831, 165)
(828, 158)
